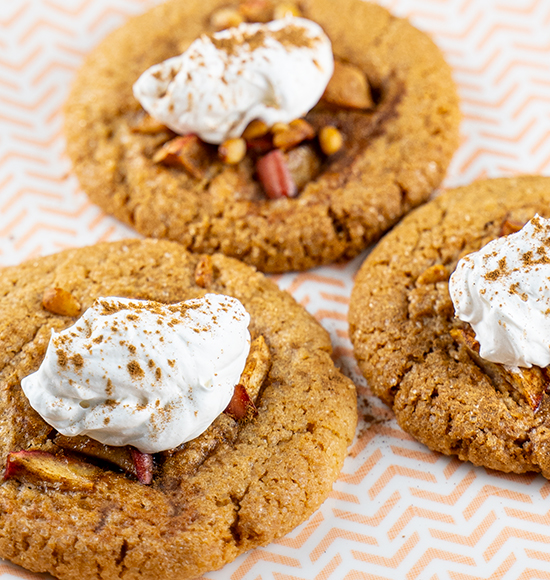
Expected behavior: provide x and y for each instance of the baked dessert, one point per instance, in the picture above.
(82, 510)
(425, 362)
(396, 140)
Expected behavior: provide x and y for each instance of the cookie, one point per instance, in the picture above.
(411, 348)
(393, 157)
(239, 485)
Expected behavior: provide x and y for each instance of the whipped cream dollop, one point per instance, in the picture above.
(136, 372)
(503, 292)
(275, 72)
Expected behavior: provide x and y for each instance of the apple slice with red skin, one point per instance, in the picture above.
(68, 473)
(43, 468)
(126, 458)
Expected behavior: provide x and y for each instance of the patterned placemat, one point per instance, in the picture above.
(398, 511)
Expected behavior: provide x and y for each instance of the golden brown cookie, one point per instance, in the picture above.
(417, 357)
(394, 154)
(239, 485)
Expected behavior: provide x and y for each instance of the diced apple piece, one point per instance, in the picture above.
(256, 368)
(241, 404)
(187, 152)
(466, 338)
(510, 227)
(143, 463)
(260, 145)
(303, 164)
(255, 371)
(45, 469)
(297, 131)
(275, 176)
(60, 301)
(348, 87)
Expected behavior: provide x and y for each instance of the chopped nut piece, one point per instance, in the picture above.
(187, 152)
(348, 87)
(232, 151)
(298, 130)
(510, 227)
(330, 140)
(257, 10)
(148, 126)
(226, 17)
(255, 129)
(61, 302)
(204, 272)
(285, 9)
(45, 469)
(275, 176)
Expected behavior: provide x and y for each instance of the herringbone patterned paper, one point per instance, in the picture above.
(398, 511)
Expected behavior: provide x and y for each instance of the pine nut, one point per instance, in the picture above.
(232, 151)
(330, 140)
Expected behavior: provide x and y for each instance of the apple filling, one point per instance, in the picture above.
(72, 463)
(283, 157)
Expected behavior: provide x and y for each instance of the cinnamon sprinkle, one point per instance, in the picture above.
(290, 37)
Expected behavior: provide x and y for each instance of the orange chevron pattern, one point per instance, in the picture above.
(397, 511)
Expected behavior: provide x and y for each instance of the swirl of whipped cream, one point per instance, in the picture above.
(275, 72)
(503, 291)
(136, 372)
